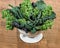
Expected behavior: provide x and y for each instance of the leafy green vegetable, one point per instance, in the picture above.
(40, 4)
(9, 18)
(26, 8)
(22, 22)
(47, 11)
(29, 17)
(33, 30)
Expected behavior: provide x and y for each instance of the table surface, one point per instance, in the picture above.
(10, 39)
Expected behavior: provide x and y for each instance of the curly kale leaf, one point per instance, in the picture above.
(40, 4)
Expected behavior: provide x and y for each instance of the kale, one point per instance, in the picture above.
(29, 17)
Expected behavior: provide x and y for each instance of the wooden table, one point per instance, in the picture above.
(10, 39)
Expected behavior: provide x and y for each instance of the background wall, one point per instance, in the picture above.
(10, 39)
